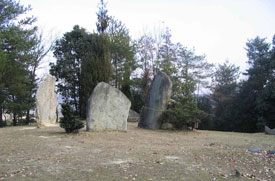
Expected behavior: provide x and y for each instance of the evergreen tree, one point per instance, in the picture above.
(193, 70)
(256, 95)
(101, 59)
(268, 94)
(122, 54)
(168, 55)
(224, 96)
(183, 113)
(18, 39)
(205, 104)
(186, 70)
(70, 52)
(84, 60)
(3, 64)
(103, 19)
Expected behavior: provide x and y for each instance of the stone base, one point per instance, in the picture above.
(45, 124)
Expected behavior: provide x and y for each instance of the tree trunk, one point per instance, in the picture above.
(1, 117)
(14, 119)
(116, 81)
(28, 117)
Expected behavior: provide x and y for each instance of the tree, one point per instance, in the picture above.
(102, 60)
(70, 52)
(145, 56)
(103, 19)
(183, 113)
(268, 94)
(224, 95)
(18, 39)
(3, 63)
(148, 56)
(85, 59)
(186, 70)
(193, 70)
(168, 55)
(40, 50)
(256, 100)
(205, 104)
(122, 53)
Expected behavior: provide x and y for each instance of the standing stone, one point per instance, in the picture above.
(46, 103)
(156, 101)
(107, 109)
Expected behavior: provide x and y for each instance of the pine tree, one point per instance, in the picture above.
(122, 52)
(224, 95)
(193, 70)
(255, 108)
(168, 55)
(18, 39)
(70, 52)
(103, 19)
(101, 60)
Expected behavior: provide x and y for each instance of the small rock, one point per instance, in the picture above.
(256, 150)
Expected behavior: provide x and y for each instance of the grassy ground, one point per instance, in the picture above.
(27, 153)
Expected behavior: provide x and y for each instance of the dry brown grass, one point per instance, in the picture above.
(28, 153)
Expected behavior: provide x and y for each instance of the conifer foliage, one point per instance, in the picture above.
(69, 122)
(20, 53)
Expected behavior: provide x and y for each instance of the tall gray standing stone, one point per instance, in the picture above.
(46, 103)
(107, 109)
(156, 101)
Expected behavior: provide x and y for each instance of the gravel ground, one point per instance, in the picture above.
(28, 153)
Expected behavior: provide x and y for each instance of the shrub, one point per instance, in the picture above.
(182, 113)
(69, 122)
(3, 124)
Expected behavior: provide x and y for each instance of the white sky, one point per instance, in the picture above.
(217, 28)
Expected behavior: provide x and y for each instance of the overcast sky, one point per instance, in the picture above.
(217, 28)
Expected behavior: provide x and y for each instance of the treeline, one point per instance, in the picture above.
(248, 105)
(109, 54)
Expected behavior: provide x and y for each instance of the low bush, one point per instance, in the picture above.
(69, 122)
(182, 113)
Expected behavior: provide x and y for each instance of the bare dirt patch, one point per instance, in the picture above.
(138, 154)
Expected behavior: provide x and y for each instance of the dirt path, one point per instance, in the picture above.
(27, 153)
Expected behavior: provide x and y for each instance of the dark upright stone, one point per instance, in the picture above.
(156, 101)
